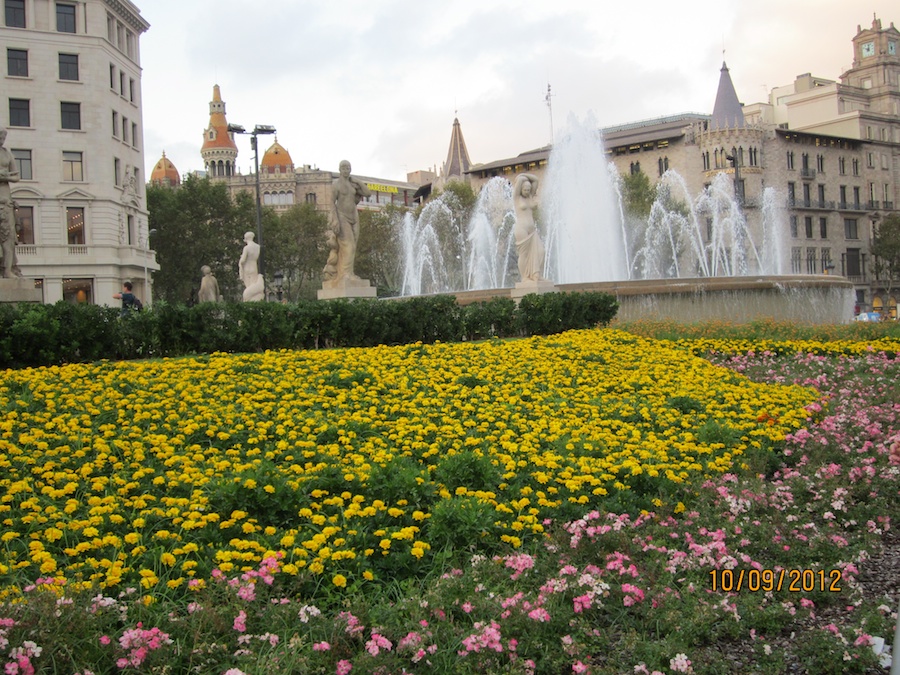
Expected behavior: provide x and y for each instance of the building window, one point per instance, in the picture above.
(790, 159)
(310, 197)
(115, 124)
(112, 76)
(843, 191)
(820, 162)
(792, 194)
(851, 229)
(796, 252)
(78, 291)
(870, 160)
(134, 135)
(111, 28)
(117, 170)
(68, 66)
(23, 163)
(842, 166)
(821, 189)
(857, 201)
(75, 225)
(70, 114)
(15, 13)
(823, 228)
(131, 89)
(129, 227)
(808, 226)
(855, 164)
(17, 63)
(826, 260)
(811, 260)
(73, 168)
(853, 262)
(19, 112)
(25, 225)
(65, 18)
(794, 226)
(125, 129)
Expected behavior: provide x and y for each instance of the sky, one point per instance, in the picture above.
(380, 82)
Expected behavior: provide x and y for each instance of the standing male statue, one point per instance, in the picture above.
(9, 173)
(254, 286)
(347, 192)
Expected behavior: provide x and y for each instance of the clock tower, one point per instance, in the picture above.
(876, 70)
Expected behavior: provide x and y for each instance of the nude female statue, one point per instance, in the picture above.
(528, 240)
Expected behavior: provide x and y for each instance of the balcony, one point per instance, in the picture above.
(850, 206)
(807, 173)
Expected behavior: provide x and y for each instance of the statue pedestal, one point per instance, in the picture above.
(527, 287)
(19, 289)
(346, 288)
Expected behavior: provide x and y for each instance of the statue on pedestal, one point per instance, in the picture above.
(347, 192)
(528, 240)
(9, 173)
(254, 286)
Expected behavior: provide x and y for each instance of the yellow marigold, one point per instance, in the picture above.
(339, 580)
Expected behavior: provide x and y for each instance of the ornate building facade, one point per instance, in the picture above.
(830, 149)
(72, 92)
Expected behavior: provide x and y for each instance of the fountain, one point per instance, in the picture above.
(693, 259)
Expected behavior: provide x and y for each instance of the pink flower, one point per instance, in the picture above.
(579, 667)
(539, 614)
(240, 622)
(104, 640)
(343, 667)
(321, 647)
(467, 607)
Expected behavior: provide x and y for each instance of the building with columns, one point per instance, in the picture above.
(829, 148)
(72, 104)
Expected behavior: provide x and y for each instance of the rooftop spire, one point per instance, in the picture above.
(727, 112)
(458, 161)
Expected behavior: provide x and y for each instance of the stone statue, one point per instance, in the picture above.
(528, 241)
(254, 286)
(209, 287)
(9, 173)
(347, 192)
(329, 273)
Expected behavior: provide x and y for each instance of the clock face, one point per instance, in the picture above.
(868, 49)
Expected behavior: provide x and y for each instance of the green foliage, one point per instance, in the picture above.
(467, 469)
(886, 250)
(295, 246)
(378, 251)
(197, 224)
(550, 313)
(35, 335)
(638, 194)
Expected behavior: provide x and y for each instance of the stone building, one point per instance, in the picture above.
(829, 149)
(72, 99)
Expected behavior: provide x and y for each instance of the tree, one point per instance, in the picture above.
(295, 246)
(378, 253)
(886, 250)
(197, 224)
(638, 194)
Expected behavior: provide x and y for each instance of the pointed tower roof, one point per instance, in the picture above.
(276, 156)
(458, 161)
(165, 173)
(727, 112)
(216, 134)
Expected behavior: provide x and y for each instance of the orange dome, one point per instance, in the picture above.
(275, 157)
(165, 173)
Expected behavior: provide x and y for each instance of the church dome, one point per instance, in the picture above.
(276, 159)
(165, 173)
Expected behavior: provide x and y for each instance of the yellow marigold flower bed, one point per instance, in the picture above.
(350, 463)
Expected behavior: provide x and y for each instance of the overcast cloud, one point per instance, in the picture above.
(379, 82)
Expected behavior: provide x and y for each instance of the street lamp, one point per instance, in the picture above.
(259, 129)
(279, 284)
(145, 254)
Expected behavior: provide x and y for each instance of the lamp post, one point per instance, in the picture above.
(145, 254)
(258, 130)
(279, 284)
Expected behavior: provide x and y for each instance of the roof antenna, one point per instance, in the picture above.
(547, 98)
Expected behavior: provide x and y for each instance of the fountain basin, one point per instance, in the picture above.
(807, 299)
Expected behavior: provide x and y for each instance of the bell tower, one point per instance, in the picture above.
(219, 151)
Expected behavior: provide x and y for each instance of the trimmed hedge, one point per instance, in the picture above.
(40, 335)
